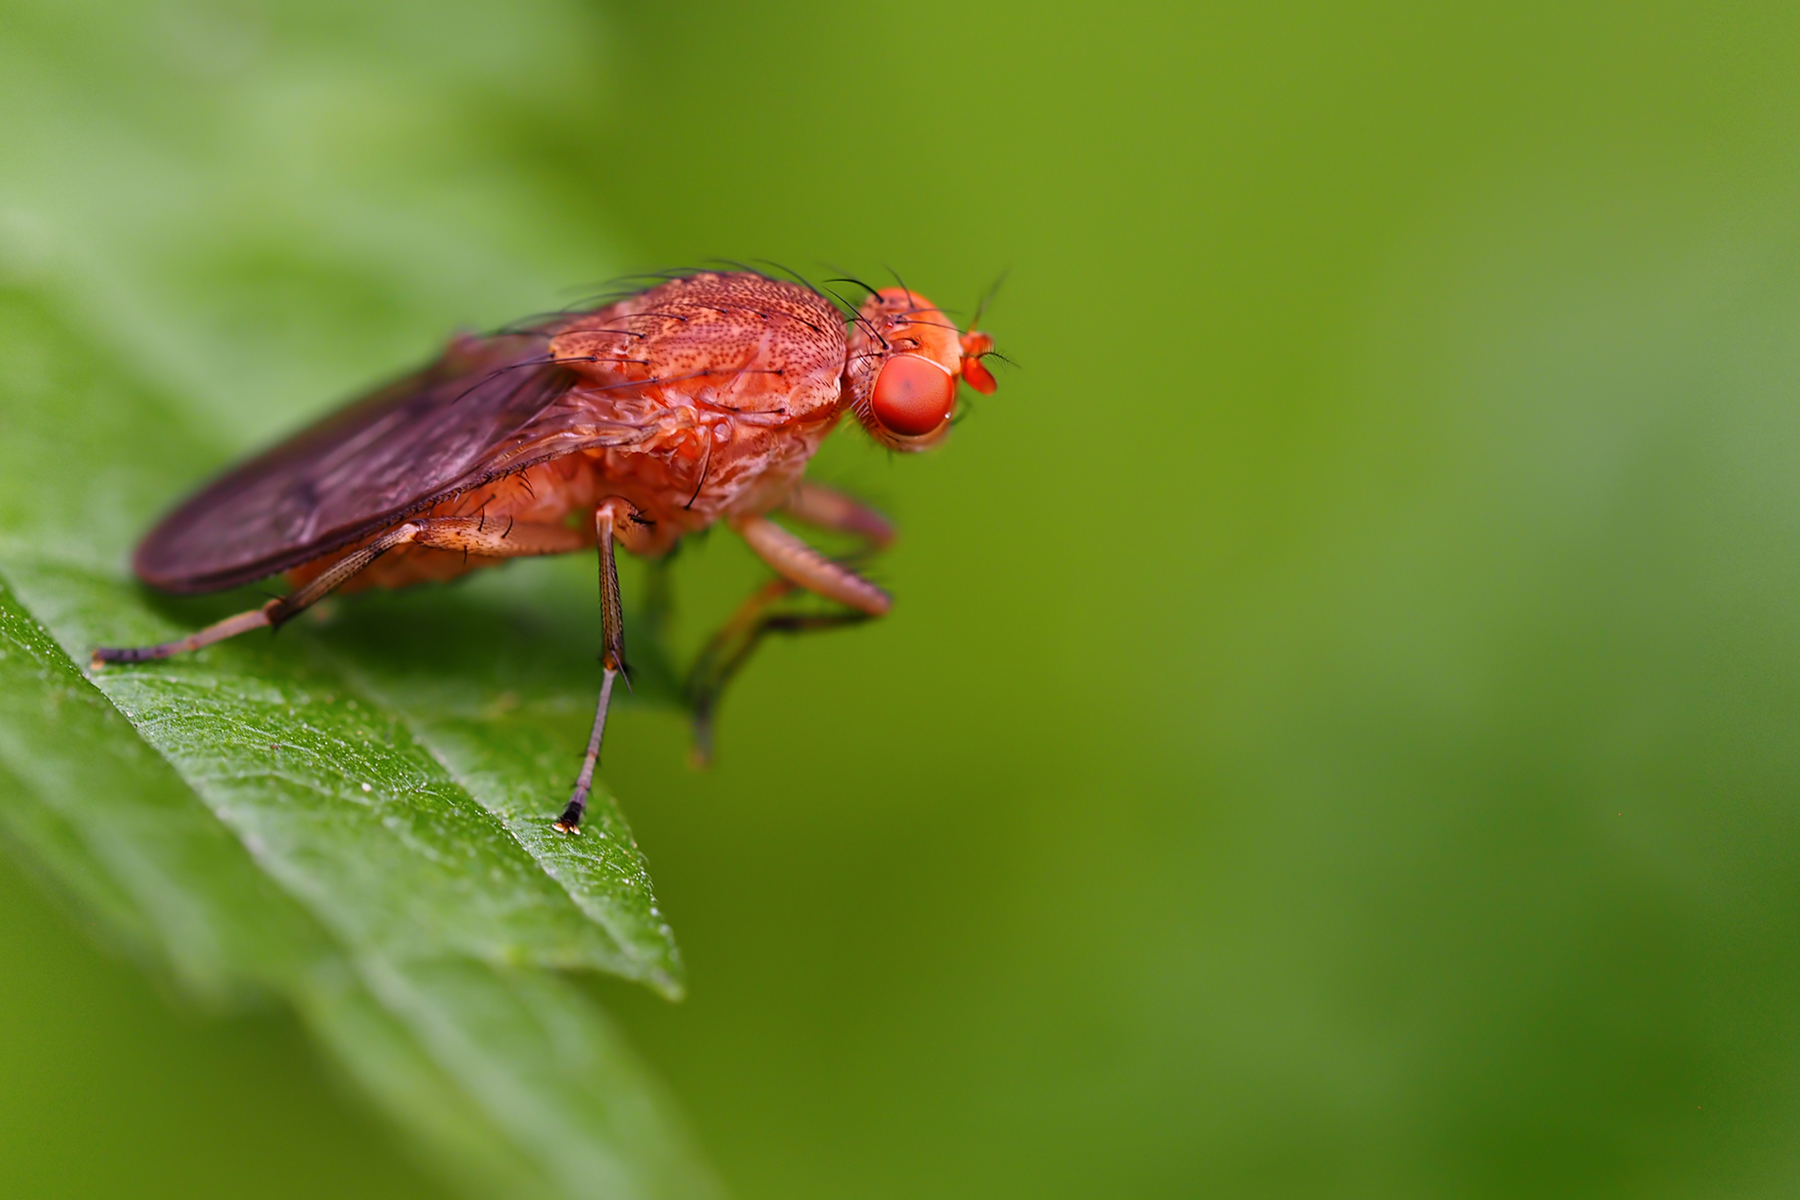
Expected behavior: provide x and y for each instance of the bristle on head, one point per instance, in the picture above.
(905, 357)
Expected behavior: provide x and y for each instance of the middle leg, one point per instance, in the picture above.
(616, 517)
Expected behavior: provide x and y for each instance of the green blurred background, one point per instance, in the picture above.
(1337, 736)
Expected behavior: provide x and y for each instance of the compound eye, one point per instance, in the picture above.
(913, 395)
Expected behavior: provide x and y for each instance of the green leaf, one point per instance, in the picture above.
(511, 1077)
(352, 817)
(113, 826)
(335, 793)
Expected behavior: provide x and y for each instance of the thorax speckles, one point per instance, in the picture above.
(730, 343)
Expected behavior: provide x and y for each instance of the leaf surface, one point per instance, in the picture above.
(351, 817)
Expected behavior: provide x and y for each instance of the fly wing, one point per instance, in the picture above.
(487, 407)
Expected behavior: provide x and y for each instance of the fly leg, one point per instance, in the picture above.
(828, 508)
(798, 566)
(282, 608)
(731, 647)
(444, 533)
(615, 517)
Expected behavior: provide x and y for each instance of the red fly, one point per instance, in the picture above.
(634, 425)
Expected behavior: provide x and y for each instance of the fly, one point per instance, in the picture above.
(633, 425)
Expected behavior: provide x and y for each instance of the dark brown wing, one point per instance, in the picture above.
(487, 407)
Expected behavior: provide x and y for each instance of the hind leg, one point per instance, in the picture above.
(468, 534)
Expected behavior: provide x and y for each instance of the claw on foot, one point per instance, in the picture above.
(570, 821)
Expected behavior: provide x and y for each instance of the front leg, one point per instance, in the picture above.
(827, 508)
(798, 566)
(731, 647)
(798, 563)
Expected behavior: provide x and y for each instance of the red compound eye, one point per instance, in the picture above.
(913, 395)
